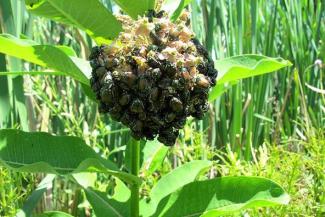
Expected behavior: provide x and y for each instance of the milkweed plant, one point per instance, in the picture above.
(149, 72)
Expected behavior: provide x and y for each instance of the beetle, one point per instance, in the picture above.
(169, 117)
(152, 62)
(136, 126)
(176, 105)
(100, 71)
(137, 106)
(154, 74)
(168, 136)
(124, 99)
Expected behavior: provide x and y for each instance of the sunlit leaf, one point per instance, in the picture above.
(154, 154)
(222, 196)
(88, 15)
(135, 8)
(231, 70)
(245, 66)
(105, 206)
(44, 55)
(219, 89)
(171, 182)
(121, 192)
(40, 152)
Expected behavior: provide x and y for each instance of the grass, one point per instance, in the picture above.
(14, 190)
(276, 115)
(297, 165)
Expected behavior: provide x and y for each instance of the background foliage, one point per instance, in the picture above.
(271, 125)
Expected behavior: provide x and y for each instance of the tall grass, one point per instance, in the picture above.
(268, 107)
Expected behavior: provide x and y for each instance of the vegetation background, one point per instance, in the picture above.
(271, 126)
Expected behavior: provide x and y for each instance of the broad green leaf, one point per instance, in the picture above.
(88, 15)
(222, 196)
(89, 92)
(171, 182)
(151, 4)
(83, 66)
(121, 192)
(219, 89)
(154, 154)
(67, 50)
(85, 179)
(102, 203)
(135, 8)
(105, 206)
(54, 214)
(245, 66)
(37, 194)
(43, 153)
(232, 69)
(44, 55)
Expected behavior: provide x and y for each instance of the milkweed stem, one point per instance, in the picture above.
(135, 165)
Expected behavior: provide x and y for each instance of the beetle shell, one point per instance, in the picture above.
(176, 104)
(125, 99)
(137, 106)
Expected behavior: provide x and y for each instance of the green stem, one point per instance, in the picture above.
(135, 165)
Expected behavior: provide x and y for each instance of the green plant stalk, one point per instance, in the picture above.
(4, 94)
(135, 166)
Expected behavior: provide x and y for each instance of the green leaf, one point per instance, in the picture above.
(151, 4)
(171, 182)
(232, 69)
(43, 153)
(85, 179)
(154, 154)
(222, 196)
(37, 194)
(219, 89)
(88, 15)
(67, 50)
(44, 55)
(54, 214)
(105, 206)
(121, 192)
(5, 106)
(135, 8)
(102, 203)
(245, 66)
